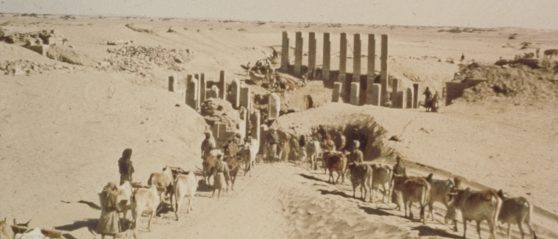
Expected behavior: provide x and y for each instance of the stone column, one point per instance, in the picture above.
(255, 121)
(172, 80)
(203, 87)
(298, 54)
(342, 57)
(373, 94)
(371, 58)
(337, 92)
(285, 52)
(192, 91)
(222, 86)
(395, 91)
(415, 95)
(326, 57)
(274, 106)
(384, 67)
(409, 98)
(311, 54)
(234, 94)
(245, 98)
(356, 58)
(355, 93)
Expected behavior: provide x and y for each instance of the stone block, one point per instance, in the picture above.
(355, 93)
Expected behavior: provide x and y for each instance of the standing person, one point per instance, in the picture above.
(208, 144)
(398, 168)
(434, 104)
(125, 166)
(427, 98)
(109, 220)
(342, 141)
(356, 154)
(273, 141)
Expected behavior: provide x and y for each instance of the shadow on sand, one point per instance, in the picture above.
(90, 224)
(306, 176)
(376, 211)
(425, 231)
(90, 204)
(335, 192)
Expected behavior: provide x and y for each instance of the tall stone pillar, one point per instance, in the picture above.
(298, 54)
(395, 91)
(374, 94)
(415, 95)
(384, 68)
(285, 52)
(234, 94)
(409, 98)
(356, 58)
(274, 106)
(245, 98)
(203, 88)
(192, 91)
(342, 57)
(222, 86)
(311, 54)
(337, 92)
(371, 58)
(326, 58)
(255, 120)
(172, 82)
(355, 93)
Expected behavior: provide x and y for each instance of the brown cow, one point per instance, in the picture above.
(477, 206)
(337, 162)
(163, 181)
(232, 159)
(361, 175)
(516, 211)
(413, 189)
(381, 175)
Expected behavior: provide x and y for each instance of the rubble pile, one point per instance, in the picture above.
(25, 67)
(136, 59)
(220, 111)
(517, 80)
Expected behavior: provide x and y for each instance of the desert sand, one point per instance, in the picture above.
(64, 126)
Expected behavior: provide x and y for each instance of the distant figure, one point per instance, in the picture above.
(435, 102)
(398, 168)
(356, 155)
(125, 166)
(328, 145)
(427, 98)
(273, 141)
(462, 57)
(109, 220)
(208, 144)
(342, 142)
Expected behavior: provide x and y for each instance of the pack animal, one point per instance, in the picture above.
(413, 189)
(145, 200)
(439, 193)
(477, 206)
(336, 162)
(518, 211)
(313, 152)
(163, 181)
(185, 187)
(381, 177)
(361, 175)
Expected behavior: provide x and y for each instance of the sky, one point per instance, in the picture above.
(540, 14)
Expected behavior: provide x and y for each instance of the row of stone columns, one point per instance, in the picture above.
(196, 90)
(342, 72)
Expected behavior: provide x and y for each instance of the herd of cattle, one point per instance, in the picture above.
(489, 205)
(175, 183)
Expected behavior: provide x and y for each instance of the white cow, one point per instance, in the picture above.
(145, 200)
(185, 186)
(477, 206)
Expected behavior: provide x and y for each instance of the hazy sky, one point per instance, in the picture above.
(481, 13)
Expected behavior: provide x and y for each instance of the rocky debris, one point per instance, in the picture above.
(25, 67)
(220, 111)
(119, 42)
(137, 59)
(140, 28)
(512, 78)
(65, 54)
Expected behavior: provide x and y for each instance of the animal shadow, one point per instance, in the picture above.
(375, 211)
(90, 224)
(306, 176)
(425, 231)
(204, 187)
(90, 204)
(334, 192)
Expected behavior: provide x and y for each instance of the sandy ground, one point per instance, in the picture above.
(62, 131)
